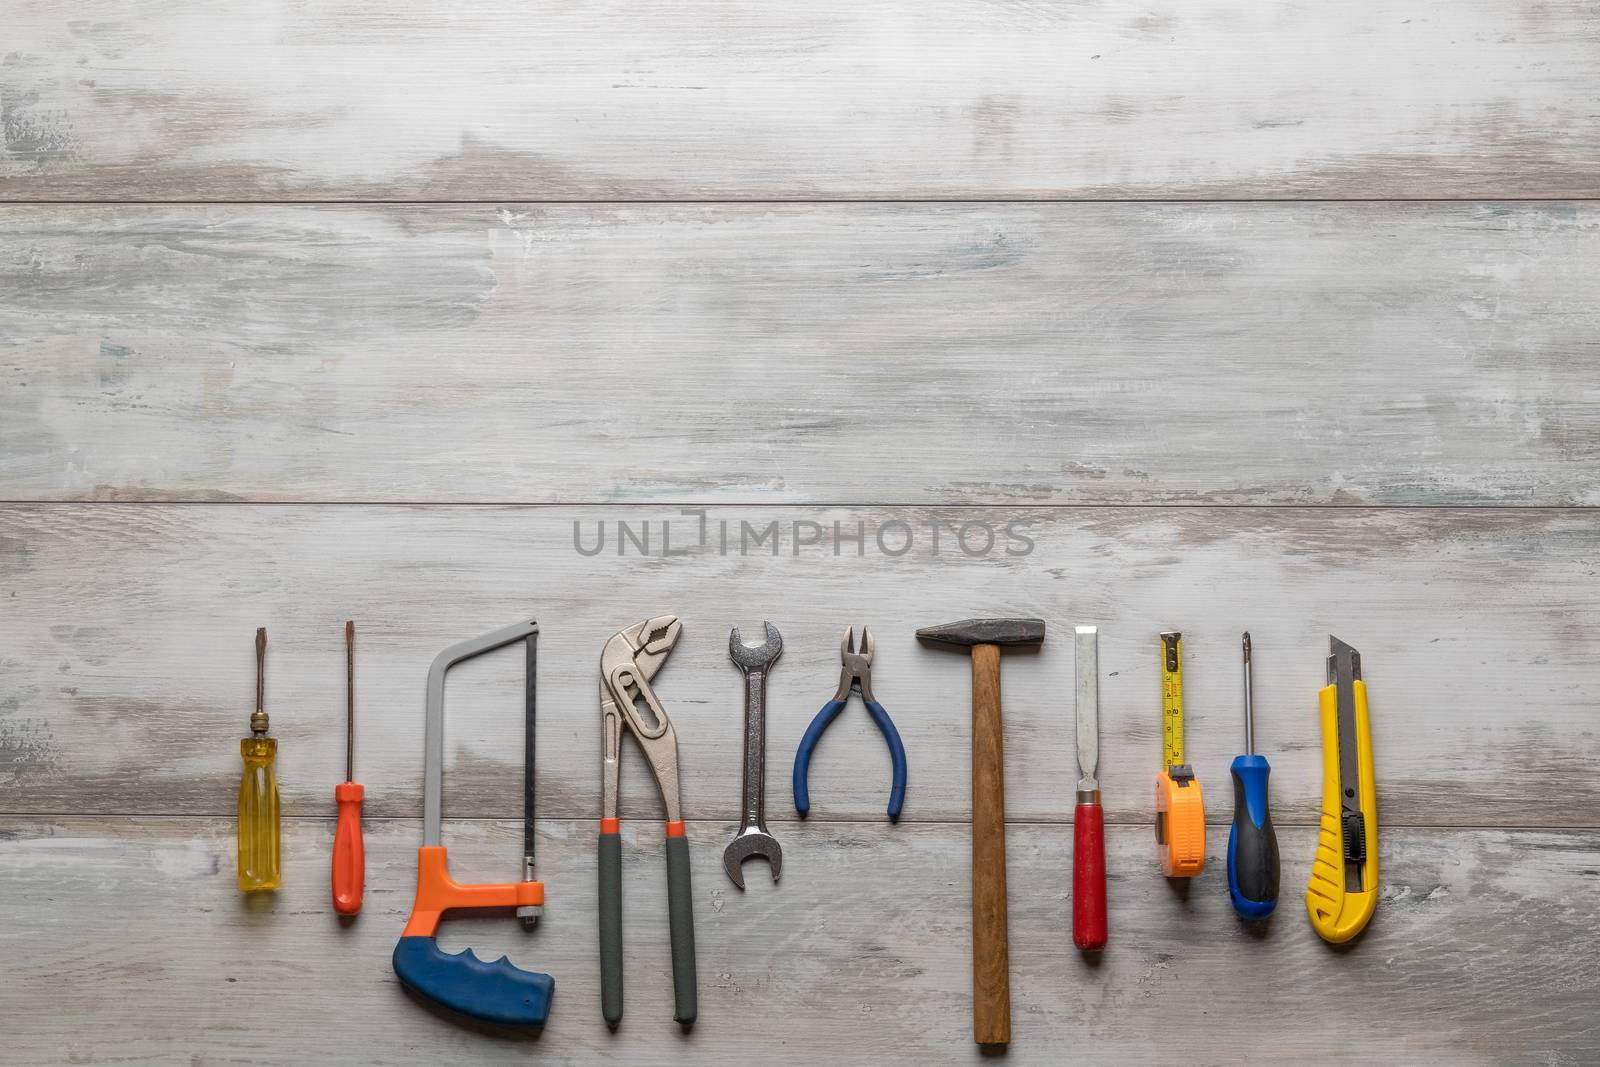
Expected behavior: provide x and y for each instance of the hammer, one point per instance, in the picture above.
(991, 967)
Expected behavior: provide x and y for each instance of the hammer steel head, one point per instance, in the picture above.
(970, 632)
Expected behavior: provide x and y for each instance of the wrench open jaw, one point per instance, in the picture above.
(752, 842)
(753, 839)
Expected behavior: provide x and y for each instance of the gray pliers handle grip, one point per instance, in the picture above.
(680, 917)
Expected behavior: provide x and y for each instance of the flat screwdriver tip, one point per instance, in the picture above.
(258, 720)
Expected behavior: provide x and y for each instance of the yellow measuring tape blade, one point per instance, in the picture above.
(1171, 700)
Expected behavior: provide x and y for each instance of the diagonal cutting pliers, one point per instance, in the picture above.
(854, 676)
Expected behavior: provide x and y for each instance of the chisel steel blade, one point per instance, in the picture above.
(1087, 681)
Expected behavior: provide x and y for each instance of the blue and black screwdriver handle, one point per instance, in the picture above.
(1252, 843)
(497, 993)
(854, 675)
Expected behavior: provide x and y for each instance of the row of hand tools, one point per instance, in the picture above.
(1341, 894)
(1340, 897)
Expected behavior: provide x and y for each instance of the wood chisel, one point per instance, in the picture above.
(1180, 810)
(1343, 891)
(1088, 820)
(258, 792)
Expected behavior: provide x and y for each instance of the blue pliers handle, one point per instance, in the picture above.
(856, 675)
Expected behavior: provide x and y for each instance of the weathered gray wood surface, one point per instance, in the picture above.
(1481, 952)
(705, 99)
(220, 415)
(128, 656)
(1221, 353)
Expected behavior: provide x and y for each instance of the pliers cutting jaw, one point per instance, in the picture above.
(855, 675)
(857, 670)
(628, 664)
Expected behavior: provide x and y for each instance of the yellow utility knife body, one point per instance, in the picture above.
(1180, 809)
(1343, 891)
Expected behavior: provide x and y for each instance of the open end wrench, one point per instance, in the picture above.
(753, 839)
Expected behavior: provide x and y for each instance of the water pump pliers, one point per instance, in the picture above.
(629, 662)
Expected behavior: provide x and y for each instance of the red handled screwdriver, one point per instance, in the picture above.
(1088, 820)
(349, 856)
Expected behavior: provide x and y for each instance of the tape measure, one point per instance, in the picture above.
(1171, 699)
(1180, 806)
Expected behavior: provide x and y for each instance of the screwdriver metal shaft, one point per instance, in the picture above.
(349, 701)
(1249, 702)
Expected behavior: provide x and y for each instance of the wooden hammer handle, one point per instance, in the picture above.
(991, 967)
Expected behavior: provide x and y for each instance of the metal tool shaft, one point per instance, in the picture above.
(754, 812)
(1249, 702)
(350, 701)
(258, 718)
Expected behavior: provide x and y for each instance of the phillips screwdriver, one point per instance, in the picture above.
(1252, 843)
(349, 857)
(258, 793)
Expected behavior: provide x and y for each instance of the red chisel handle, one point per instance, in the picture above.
(349, 856)
(1089, 878)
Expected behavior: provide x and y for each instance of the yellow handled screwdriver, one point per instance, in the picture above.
(258, 792)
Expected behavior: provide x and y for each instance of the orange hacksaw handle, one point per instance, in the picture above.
(438, 893)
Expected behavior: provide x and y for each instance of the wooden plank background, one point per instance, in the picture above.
(713, 99)
(360, 310)
(860, 955)
(118, 666)
(1220, 353)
